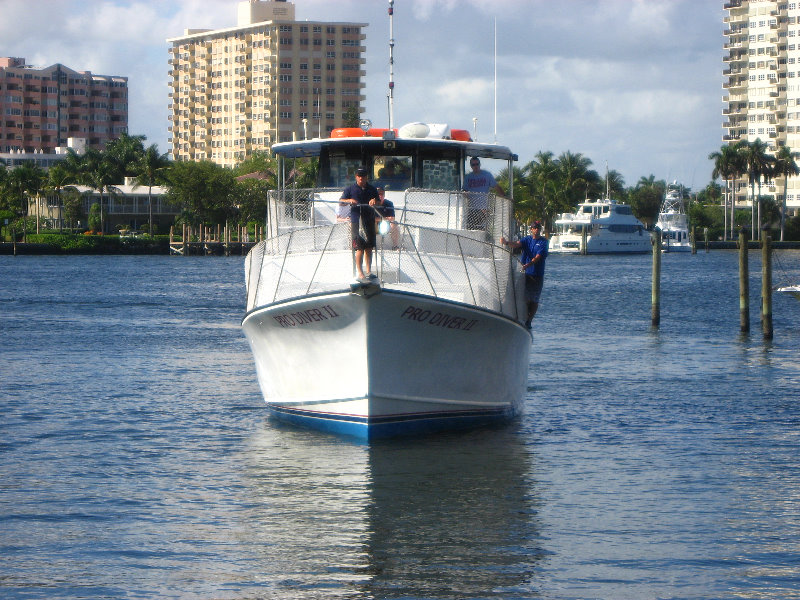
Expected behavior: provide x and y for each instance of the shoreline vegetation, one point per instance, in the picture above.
(77, 244)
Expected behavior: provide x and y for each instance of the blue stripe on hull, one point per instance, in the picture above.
(370, 428)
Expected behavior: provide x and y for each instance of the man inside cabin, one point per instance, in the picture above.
(534, 253)
(477, 184)
(362, 198)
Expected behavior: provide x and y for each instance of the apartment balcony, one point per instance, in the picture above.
(735, 83)
(738, 45)
(734, 4)
(731, 138)
(738, 18)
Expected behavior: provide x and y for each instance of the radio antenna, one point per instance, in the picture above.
(390, 97)
(495, 80)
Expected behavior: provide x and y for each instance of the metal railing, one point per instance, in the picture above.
(462, 267)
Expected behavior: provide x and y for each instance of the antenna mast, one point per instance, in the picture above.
(495, 80)
(390, 96)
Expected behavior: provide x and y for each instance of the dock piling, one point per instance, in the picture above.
(744, 285)
(655, 318)
(766, 285)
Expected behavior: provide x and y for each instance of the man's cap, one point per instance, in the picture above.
(536, 224)
(362, 171)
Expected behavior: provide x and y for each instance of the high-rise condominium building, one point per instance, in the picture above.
(269, 79)
(762, 79)
(41, 108)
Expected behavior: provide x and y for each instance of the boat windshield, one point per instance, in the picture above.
(397, 172)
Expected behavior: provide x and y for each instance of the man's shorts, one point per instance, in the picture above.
(368, 239)
(533, 287)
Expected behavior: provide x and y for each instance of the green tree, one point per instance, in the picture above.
(125, 154)
(59, 179)
(576, 181)
(646, 198)
(728, 165)
(614, 183)
(100, 172)
(150, 170)
(26, 181)
(541, 182)
(203, 190)
(95, 217)
(785, 167)
(758, 164)
(352, 118)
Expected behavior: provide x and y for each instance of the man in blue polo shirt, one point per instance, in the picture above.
(362, 198)
(534, 253)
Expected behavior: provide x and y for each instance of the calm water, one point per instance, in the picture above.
(137, 459)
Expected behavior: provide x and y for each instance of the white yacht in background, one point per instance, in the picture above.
(673, 221)
(600, 227)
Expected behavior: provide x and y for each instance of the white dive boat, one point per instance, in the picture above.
(436, 342)
(599, 227)
(673, 221)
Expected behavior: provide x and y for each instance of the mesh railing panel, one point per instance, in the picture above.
(428, 261)
(451, 210)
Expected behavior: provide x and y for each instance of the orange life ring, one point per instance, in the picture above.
(347, 132)
(462, 135)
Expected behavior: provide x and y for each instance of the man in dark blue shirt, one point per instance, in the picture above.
(362, 198)
(534, 253)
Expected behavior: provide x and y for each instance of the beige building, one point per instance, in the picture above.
(268, 79)
(762, 80)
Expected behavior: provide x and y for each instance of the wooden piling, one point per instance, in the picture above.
(694, 239)
(744, 285)
(583, 241)
(705, 235)
(655, 318)
(766, 285)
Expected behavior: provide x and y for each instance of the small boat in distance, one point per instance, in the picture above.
(794, 290)
(673, 221)
(436, 341)
(600, 227)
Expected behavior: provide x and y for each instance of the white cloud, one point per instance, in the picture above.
(634, 82)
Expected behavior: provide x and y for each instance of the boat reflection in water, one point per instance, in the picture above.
(450, 516)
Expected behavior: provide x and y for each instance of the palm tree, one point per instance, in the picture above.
(785, 167)
(758, 164)
(540, 178)
(614, 183)
(26, 179)
(100, 172)
(150, 170)
(576, 180)
(124, 153)
(59, 178)
(725, 167)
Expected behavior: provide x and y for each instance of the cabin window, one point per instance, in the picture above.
(343, 170)
(441, 173)
(392, 172)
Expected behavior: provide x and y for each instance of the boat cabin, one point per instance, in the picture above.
(395, 164)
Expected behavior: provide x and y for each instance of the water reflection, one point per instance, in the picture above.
(450, 516)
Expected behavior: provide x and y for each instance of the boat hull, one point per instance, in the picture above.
(609, 244)
(380, 363)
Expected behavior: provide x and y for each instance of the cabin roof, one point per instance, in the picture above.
(375, 145)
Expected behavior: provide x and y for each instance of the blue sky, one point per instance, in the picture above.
(636, 84)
